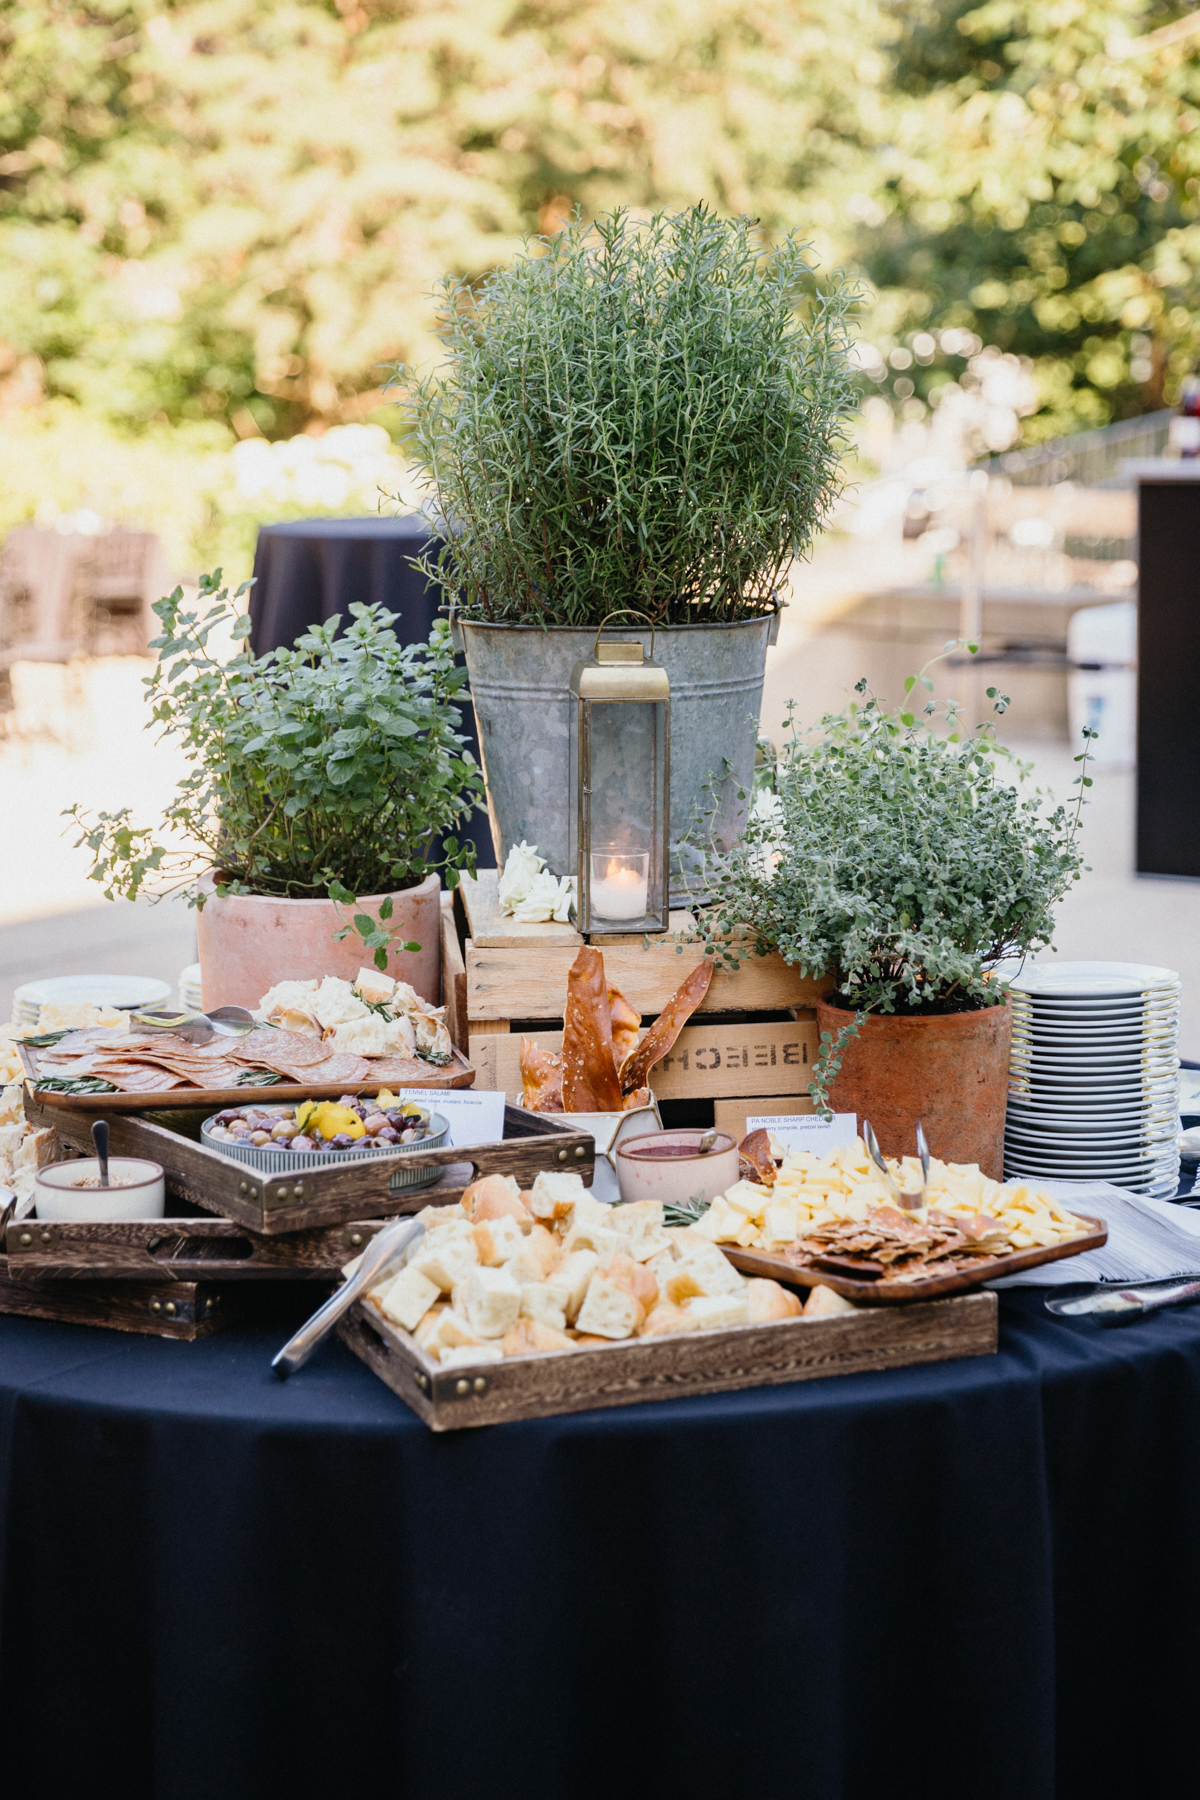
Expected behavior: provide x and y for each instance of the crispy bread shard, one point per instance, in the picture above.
(541, 1078)
(589, 1074)
(666, 1028)
(625, 1023)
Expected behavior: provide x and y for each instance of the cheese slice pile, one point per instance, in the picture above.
(846, 1185)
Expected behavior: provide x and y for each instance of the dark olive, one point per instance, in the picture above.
(301, 1142)
(387, 1136)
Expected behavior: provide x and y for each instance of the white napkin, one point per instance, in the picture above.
(1148, 1240)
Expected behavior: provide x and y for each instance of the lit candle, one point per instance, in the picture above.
(619, 884)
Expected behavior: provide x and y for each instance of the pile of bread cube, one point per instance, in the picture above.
(512, 1273)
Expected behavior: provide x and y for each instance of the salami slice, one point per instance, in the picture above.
(267, 1046)
(400, 1071)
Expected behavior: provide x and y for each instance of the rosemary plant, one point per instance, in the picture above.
(646, 410)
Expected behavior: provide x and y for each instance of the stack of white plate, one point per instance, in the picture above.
(190, 997)
(125, 991)
(1094, 1078)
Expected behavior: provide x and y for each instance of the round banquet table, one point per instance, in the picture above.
(307, 570)
(976, 1580)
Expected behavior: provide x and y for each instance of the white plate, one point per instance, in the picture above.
(125, 991)
(1081, 980)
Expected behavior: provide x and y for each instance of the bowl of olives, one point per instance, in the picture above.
(309, 1134)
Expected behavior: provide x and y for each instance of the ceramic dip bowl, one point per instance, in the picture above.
(136, 1190)
(668, 1166)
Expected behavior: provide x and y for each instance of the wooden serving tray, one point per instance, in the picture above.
(337, 1194)
(458, 1074)
(929, 1287)
(177, 1250)
(183, 1309)
(664, 1368)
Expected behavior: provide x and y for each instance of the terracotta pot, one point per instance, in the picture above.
(949, 1070)
(248, 942)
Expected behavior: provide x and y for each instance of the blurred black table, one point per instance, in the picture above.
(1168, 747)
(975, 1580)
(310, 569)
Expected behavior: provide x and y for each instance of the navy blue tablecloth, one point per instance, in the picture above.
(310, 569)
(977, 1580)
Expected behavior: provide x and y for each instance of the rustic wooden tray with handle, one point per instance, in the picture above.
(334, 1195)
(170, 1309)
(873, 1292)
(665, 1368)
(186, 1249)
(457, 1074)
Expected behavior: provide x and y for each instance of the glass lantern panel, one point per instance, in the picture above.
(623, 813)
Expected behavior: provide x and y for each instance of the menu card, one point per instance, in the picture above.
(476, 1115)
(807, 1131)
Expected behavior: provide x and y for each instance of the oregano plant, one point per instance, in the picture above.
(330, 770)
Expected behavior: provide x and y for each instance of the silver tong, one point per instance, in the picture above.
(909, 1202)
(384, 1249)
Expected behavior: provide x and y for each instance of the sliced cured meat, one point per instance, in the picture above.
(339, 1070)
(140, 1078)
(401, 1071)
(667, 1027)
(589, 1074)
(264, 1047)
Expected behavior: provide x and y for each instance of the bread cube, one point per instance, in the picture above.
(496, 1239)
(447, 1259)
(767, 1300)
(605, 1242)
(546, 1302)
(529, 1337)
(490, 1299)
(408, 1298)
(640, 1223)
(823, 1303)
(451, 1331)
(587, 1210)
(12, 1111)
(554, 1193)
(443, 1218)
(635, 1277)
(429, 1324)
(467, 1355)
(36, 1150)
(574, 1272)
(713, 1272)
(609, 1311)
(537, 1256)
(664, 1319)
(712, 1311)
(494, 1197)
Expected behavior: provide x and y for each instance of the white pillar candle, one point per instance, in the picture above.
(619, 884)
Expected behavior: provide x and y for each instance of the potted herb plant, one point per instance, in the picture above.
(903, 857)
(632, 414)
(324, 788)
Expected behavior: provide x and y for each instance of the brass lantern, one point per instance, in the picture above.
(620, 799)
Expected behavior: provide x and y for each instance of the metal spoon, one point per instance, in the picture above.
(100, 1140)
(706, 1143)
(1111, 1305)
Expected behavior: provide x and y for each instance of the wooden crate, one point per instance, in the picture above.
(179, 1309)
(708, 1061)
(177, 1250)
(334, 1195)
(703, 1362)
(516, 975)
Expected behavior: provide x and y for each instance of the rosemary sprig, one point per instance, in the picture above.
(685, 1212)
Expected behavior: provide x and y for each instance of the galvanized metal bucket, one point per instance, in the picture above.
(520, 683)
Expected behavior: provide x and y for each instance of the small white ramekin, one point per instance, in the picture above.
(138, 1190)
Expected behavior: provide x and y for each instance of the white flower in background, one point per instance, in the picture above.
(522, 866)
(548, 898)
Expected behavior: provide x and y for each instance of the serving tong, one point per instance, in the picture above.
(198, 1027)
(908, 1202)
(383, 1250)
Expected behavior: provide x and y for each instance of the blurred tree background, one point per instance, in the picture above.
(221, 219)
